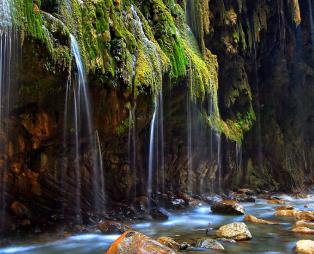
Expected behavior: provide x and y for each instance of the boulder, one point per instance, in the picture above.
(135, 242)
(237, 231)
(112, 227)
(227, 207)
(303, 230)
(253, 219)
(284, 207)
(209, 244)
(305, 247)
(169, 242)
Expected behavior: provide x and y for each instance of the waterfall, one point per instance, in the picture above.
(151, 155)
(238, 162)
(218, 140)
(6, 56)
(189, 145)
(78, 129)
(99, 186)
(311, 24)
(156, 142)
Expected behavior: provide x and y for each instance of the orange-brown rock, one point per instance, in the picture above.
(286, 213)
(305, 215)
(169, 242)
(253, 219)
(303, 223)
(284, 207)
(275, 201)
(132, 242)
(303, 230)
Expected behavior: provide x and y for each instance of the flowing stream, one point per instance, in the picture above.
(189, 225)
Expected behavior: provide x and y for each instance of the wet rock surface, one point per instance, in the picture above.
(230, 207)
(112, 227)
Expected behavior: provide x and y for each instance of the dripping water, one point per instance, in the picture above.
(151, 155)
(219, 169)
(238, 162)
(78, 129)
(6, 60)
(311, 24)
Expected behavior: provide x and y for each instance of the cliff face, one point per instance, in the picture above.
(227, 72)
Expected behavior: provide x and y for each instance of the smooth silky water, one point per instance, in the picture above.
(189, 226)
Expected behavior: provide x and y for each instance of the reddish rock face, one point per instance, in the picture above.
(133, 242)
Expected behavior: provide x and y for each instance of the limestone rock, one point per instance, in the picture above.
(209, 244)
(227, 207)
(237, 231)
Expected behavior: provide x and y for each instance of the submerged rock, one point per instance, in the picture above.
(253, 219)
(275, 201)
(286, 213)
(169, 242)
(237, 231)
(227, 207)
(209, 244)
(305, 215)
(303, 223)
(303, 230)
(134, 242)
(305, 247)
(112, 227)
(284, 207)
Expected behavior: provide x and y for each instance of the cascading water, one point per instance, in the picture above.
(238, 162)
(311, 24)
(78, 129)
(156, 142)
(218, 140)
(6, 55)
(189, 143)
(151, 155)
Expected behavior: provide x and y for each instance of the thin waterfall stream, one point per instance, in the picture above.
(78, 128)
(6, 55)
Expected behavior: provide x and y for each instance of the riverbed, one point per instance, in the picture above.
(188, 226)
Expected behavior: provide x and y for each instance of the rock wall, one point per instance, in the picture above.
(263, 101)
